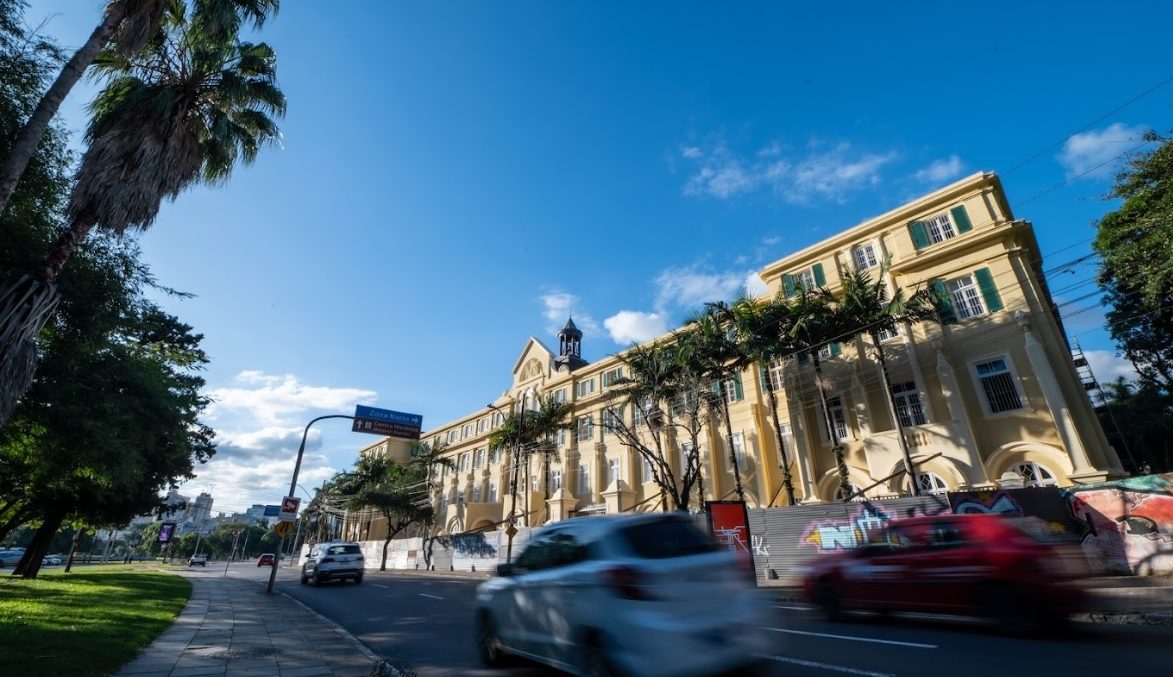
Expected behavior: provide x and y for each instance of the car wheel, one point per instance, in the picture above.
(489, 647)
(828, 600)
(304, 579)
(594, 661)
(317, 579)
(1009, 611)
(358, 580)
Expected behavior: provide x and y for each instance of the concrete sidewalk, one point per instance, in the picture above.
(231, 627)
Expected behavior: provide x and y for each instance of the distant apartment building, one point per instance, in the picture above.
(986, 395)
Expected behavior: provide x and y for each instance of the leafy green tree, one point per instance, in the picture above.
(761, 335)
(715, 354)
(866, 308)
(392, 489)
(184, 110)
(1136, 244)
(1139, 417)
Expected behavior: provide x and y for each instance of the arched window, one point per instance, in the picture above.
(1035, 475)
(931, 484)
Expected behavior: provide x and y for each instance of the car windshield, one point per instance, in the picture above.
(663, 539)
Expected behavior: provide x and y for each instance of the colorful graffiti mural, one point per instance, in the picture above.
(1128, 524)
(850, 532)
(984, 502)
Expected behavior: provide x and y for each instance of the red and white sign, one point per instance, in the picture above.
(289, 506)
(729, 523)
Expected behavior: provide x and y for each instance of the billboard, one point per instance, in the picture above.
(166, 532)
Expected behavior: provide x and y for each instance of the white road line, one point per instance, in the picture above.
(793, 608)
(915, 645)
(828, 666)
(424, 594)
(379, 586)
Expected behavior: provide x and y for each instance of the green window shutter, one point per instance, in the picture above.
(920, 234)
(715, 388)
(989, 290)
(820, 278)
(945, 313)
(738, 393)
(836, 348)
(762, 376)
(788, 285)
(961, 219)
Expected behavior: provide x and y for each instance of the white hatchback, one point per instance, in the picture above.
(632, 595)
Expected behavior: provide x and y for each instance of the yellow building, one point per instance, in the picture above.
(986, 397)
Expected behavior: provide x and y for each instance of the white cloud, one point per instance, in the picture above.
(829, 173)
(633, 326)
(688, 287)
(237, 484)
(754, 285)
(1107, 366)
(940, 170)
(1086, 152)
(557, 306)
(276, 400)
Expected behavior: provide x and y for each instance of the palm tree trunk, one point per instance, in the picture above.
(892, 412)
(787, 478)
(832, 431)
(732, 451)
(29, 137)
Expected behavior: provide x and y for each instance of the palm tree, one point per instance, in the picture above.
(761, 333)
(867, 308)
(126, 27)
(379, 483)
(717, 357)
(184, 111)
(815, 324)
(550, 418)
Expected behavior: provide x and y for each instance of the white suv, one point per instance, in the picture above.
(338, 559)
(623, 595)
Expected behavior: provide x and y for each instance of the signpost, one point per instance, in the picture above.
(386, 422)
(289, 506)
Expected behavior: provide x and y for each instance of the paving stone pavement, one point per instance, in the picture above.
(231, 627)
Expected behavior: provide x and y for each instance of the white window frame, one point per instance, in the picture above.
(452, 436)
(1043, 476)
(841, 423)
(864, 256)
(584, 479)
(612, 419)
(940, 228)
(777, 375)
(492, 492)
(585, 429)
(825, 352)
(738, 440)
(646, 470)
(561, 437)
(886, 335)
(610, 376)
(560, 395)
(931, 484)
(613, 471)
(584, 388)
(460, 497)
(478, 458)
(482, 425)
(966, 297)
(497, 419)
(806, 278)
(466, 431)
(906, 396)
(535, 482)
(476, 494)
(982, 396)
(555, 479)
(729, 390)
(463, 462)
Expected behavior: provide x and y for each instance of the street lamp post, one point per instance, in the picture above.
(293, 488)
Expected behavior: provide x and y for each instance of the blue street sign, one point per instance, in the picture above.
(386, 422)
(272, 510)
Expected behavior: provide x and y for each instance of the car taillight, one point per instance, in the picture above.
(628, 583)
(324, 560)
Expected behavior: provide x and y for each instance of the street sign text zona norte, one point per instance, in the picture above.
(386, 422)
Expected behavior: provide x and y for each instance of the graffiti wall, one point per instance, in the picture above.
(1126, 525)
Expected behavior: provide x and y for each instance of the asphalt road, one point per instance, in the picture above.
(427, 621)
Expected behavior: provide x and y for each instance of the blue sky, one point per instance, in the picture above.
(454, 177)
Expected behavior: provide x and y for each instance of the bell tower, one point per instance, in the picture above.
(570, 347)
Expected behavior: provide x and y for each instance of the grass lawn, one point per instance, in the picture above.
(88, 622)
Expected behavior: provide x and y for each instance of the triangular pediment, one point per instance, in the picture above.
(535, 360)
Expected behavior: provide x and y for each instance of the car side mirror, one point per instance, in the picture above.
(505, 570)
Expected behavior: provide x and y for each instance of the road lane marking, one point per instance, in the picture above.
(424, 594)
(793, 608)
(915, 645)
(828, 666)
(379, 586)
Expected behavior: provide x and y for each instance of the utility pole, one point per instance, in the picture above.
(235, 538)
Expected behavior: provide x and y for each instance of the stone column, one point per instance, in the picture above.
(859, 398)
(917, 374)
(959, 417)
(802, 452)
(1054, 397)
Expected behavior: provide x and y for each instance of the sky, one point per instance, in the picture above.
(456, 177)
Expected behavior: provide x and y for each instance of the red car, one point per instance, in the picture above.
(997, 567)
(265, 560)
